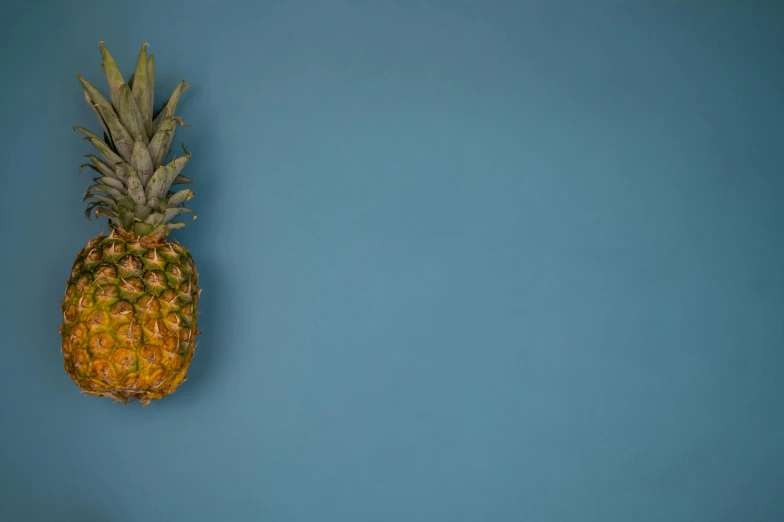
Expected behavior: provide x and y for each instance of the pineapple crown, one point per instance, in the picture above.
(133, 186)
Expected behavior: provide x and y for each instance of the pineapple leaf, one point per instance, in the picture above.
(123, 172)
(154, 203)
(90, 208)
(162, 179)
(111, 157)
(154, 219)
(108, 139)
(141, 160)
(180, 197)
(171, 105)
(86, 132)
(100, 166)
(182, 180)
(175, 226)
(126, 203)
(123, 143)
(141, 229)
(139, 91)
(103, 199)
(172, 213)
(112, 182)
(106, 135)
(112, 215)
(141, 211)
(127, 219)
(159, 145)
(129, 113)
(161, 148)
(135, 187)
(113, 76)
(94, 97)
(151, 86)
(106, 189)
(161, 142)
(83, 165)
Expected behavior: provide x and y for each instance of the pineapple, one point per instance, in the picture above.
(130, 307)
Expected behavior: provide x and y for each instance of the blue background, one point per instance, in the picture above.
(461, 260)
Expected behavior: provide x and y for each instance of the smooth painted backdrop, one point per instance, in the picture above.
(462, 261)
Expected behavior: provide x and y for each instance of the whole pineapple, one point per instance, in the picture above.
(130, 307)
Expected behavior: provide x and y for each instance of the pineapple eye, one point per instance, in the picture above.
(104, 371)
(84, 281)
(105, 272)
(94, 256)
(149, 354)
(129, 265)
(101, 343)
(130, 333)
(113, 250)
(125, 358)
(98, 318)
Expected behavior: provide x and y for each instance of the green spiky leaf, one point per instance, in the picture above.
(94, 97)
(140, 91)
(123, 172)
(129, 113)
(112, 182)
(100, 166)
(157, 203)
(91, 206)
(142, 229)
(135, 187)
(126, 203)
(111, 157)
(141, 211)
(162, 179)
(127, 219)
(123, 143)
(151, 85)
(172, 213)
(182, 180)
(87, 132)
(83, 165)
(141, 160)
(154, 219)
(111, 214)
(159, 146)
(180, 197)
(161, 142)
(103, 199)
(106, 189)
(175, 226)
(113, 76)
(171, 105)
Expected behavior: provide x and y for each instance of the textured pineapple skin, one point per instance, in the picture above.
(129, 317)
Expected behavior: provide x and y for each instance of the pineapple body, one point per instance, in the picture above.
(130, 307)
(129, 316)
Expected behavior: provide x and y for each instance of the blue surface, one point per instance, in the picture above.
(462, 261)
